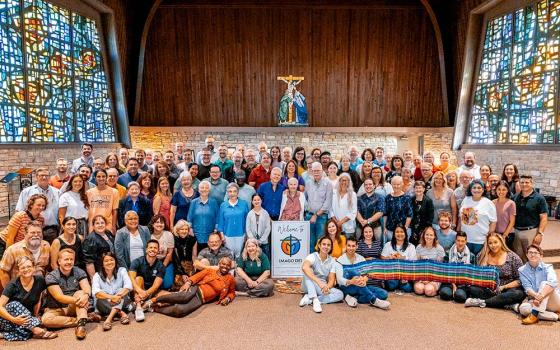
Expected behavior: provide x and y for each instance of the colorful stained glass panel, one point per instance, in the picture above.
(515, 97)
(53, 85)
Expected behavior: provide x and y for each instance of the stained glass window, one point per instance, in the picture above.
(53, 85)
(515, 98)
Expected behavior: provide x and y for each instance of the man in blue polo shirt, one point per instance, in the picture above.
(271, 194)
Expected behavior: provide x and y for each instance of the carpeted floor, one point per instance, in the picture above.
(278, 323)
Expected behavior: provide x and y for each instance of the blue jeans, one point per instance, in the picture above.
(316, 230)
(266, 250)
(365, 295)
(313, 291)
(168, 277)
(392, 285)
(475, 248)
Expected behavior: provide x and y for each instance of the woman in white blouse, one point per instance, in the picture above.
(345, 205)
(258, 224)
(73, 202)
(110, 288)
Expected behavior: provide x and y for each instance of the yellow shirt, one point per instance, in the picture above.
(338, 247)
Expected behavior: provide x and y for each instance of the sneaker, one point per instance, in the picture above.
(139, 315)
(351, 301)
(304, 301)
(513, 307)
(317, 305)
(241, 294)
(148, 306)
(381, 304)
(470, 302)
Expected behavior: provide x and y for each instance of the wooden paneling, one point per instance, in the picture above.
(362, 67)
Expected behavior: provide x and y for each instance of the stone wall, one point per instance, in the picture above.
(543, 165)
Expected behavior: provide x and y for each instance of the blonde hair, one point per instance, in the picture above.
(483, 256)
(179, 225)
(245, 255)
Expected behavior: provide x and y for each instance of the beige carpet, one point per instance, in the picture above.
(278, 323)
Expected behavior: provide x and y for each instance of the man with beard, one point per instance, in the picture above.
(209, 145)
(86, 158)
(68, 296)
(204, 287)
(246, 191)
(85, 173)
(33, 246)
(140, 155)
(225, 164)
(61, 176)
(131, 174)
(250, 161)
(123, 159)
(325, 160)
(205, 164)
(169, 158)
(112, 177)
(51, 211)
(219, 185)
(470, 165)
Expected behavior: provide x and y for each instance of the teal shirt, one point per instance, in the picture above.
(252, 268)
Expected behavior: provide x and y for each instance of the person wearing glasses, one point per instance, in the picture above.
(540, 282)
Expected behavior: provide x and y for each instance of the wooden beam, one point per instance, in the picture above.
(294, 4)
(441, 56)
(141, 55)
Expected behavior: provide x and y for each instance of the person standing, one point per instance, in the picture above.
(531, 218)
(103, 200)
(319, 195)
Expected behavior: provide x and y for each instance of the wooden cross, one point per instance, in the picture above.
(290, 81)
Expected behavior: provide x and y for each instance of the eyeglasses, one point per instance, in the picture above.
(533, 253)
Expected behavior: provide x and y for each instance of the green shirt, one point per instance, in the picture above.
(253, 268)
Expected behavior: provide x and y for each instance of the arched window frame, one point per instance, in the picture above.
(476, 30)
(105, 21)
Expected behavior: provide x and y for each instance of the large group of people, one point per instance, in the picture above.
(132, 232)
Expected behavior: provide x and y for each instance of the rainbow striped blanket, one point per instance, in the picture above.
(427, 270)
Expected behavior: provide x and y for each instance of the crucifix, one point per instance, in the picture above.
(292, 82)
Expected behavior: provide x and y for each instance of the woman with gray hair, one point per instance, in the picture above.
(253, 272)
(344, 205)
(137, 203)
(131, 240)
(293, 202)
(232, 220)
(181, 200)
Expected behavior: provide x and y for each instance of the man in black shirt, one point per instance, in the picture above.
(531, 217)
(68, 296)
(146, 274)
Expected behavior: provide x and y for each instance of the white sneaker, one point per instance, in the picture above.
(317, 305)
(304, 301)
(139, 314)
(470, 302)
(381, 304)
(351, 301)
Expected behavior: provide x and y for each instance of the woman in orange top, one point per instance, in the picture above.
(444, 166)
(15, 231)
(335, 234)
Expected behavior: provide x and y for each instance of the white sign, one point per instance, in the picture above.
(290, 246)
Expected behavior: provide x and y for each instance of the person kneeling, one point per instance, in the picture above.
(541, 285)
(203, 287)
(253, 271)
(68, 296)
(319, 277)
(146, 274)
(354, 286)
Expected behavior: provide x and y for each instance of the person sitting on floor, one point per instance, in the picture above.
(399, 248)
(541, 285)
(354, 286)
(458, 253)
(68, 296)
(19, 305)
(110, 288)
(208, 258)
(184, 252)
(319, 277)
(146, 274)
(33, 246)
(253, 271)
(203, 287)
(496, 253)
(429, 248)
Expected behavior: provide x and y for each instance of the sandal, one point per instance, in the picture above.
(125, 320)
(45, 335)
(107, 326)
